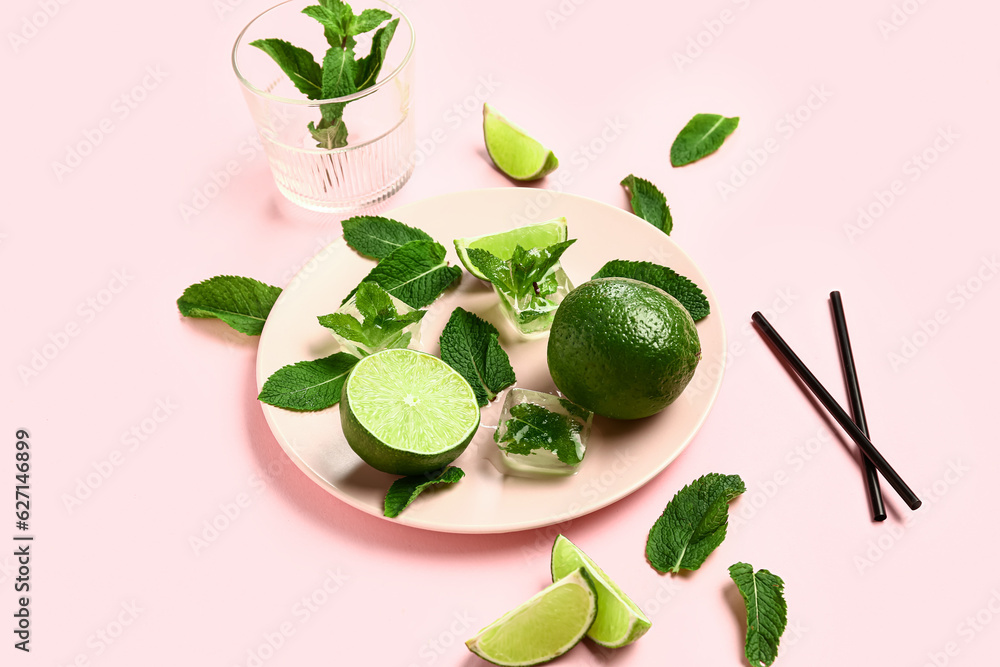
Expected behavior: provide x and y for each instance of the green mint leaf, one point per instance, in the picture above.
(338, 73)
(308, 385)
(345, 326)
(338, 81)
(700, 137)
(242, 303)
(368, 19)
(528, 273)
(372, 301)
(415, 273)
(531, 268)
(380, 327)
(336, 19)
(329, 134)
(693, 524)
(767, 613)
(532, 427)
(368, 68)
(403, 340)
(496, 270)
(376, 237)
(649, 203)
(471, 346)
(298, 64)
(671, 282)
(405, 489)
(384, 326)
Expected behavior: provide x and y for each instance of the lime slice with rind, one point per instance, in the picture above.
(550, 623)
(513, 152)
(502, 244)
(619, 621)
(406, 412)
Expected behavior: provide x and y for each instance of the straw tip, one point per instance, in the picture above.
(879, 517)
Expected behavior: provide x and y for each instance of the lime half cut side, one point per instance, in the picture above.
(546, 626)
(619, 621)
(513, 152)
(502, 244)
(406, 412)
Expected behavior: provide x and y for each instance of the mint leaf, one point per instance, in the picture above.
(532, 427)
(338, 73)
(242, 303)
(700, 137)
(369, 67)
(527, 274)
(298, 64)
(338, 81)
(336, 19)
(345, 326)
(496, 270)
(405, 490)
(308, 385)
(693, 524)
(649, 203)
(767, 613)
(471, 346)
(376, 237)
(329, 134)
(368, 19)
(668, 280)
(380, 327)
(415, 273)
(372, 301)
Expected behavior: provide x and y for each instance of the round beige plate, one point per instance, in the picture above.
(621, 456)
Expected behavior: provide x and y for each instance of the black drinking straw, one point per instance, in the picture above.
(857, 407)
(838, 413)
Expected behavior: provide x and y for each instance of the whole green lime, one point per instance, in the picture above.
(622, 348)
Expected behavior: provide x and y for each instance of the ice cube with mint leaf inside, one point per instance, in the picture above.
(373, 320)
(542, 433)
(530, 285)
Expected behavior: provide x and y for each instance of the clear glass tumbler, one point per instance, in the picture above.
(380, 143)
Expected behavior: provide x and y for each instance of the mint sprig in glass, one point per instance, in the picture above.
(330, 88)
(530, 284)
(343, 72)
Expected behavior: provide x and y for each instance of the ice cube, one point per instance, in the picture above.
(532, 314)
(542, 433)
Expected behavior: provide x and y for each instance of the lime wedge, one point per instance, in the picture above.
(406, 412)
(619, 621)
(502, 244)
(513, 151)
(546, 626)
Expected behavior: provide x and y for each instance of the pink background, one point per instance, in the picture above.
(907, 592)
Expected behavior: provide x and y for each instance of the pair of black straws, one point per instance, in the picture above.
(857, 427)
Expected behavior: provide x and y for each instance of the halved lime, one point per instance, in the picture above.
(513, 151)
(546, 626)
(406, 412)
(619, 621)
(502, 244)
